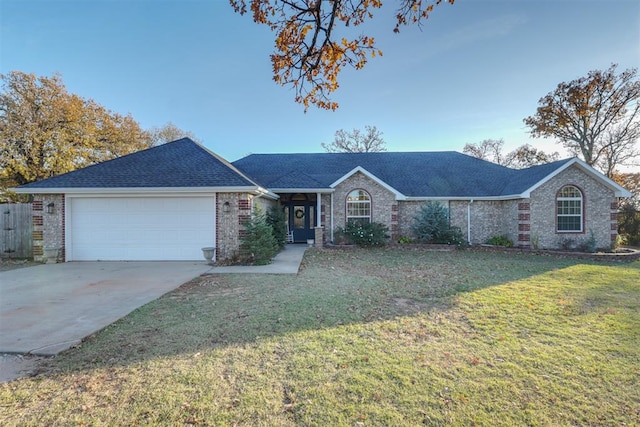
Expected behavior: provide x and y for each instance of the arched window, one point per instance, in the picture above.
(569, 209)
(359, 207)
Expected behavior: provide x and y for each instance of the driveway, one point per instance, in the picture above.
(49, 308)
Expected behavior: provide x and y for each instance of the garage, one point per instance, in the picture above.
(139, 228)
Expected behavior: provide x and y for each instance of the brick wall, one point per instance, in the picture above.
(48, 228)
(488, 218)
(382, 202)
(232, 210)
(407, 210)
(325, 216)
(598, 203)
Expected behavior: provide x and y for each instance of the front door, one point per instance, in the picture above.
(302, 220)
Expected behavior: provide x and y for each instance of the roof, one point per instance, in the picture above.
(185, 165)
(181, 163)
(443, 174)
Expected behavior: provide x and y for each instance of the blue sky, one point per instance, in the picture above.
(472, 72)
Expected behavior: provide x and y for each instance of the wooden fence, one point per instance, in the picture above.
(16, 230)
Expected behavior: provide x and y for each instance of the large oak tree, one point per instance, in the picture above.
(314, 39)
(356, 141)
(167, 133)
(45, 130)
(596, 117)
(522, 157)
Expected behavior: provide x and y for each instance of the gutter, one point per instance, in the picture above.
(151, 191)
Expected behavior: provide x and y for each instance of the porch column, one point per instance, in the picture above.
(318, 209)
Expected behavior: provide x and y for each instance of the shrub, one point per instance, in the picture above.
(340, 237)
(629, 224)
(403, 240)
(257, 245)
(567, 243)
(500, 241)
(589, 245)
(278, 222)
(431, 225)
(365, 234)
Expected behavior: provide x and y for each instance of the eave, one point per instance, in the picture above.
(398, 194)
(302, 190)
(146, 190)
(589, 170)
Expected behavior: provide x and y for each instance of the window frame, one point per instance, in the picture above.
(578, 202)
(362, 202)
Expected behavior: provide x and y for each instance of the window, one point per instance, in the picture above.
(359, 206)
(569, 209)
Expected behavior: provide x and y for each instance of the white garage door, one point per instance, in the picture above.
(140, 228)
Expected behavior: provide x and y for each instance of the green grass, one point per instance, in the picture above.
(362, 337)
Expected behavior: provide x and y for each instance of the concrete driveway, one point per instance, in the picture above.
(49, 308)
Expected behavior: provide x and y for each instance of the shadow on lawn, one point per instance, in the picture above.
(334, 288)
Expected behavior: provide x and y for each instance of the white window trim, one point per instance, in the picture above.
(571, 199)
(356, 217)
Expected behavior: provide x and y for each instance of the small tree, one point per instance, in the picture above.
(431, 225)
(258, 246)
(278, 222)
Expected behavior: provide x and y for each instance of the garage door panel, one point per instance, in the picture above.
(151, 228)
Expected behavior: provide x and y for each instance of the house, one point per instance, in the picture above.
(167, 202)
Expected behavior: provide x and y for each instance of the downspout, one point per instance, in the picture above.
(331, 216)
(318, 209)
(469, 221)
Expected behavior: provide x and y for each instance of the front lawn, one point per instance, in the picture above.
(361, 338)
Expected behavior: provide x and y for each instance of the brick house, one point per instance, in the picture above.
(167, 202)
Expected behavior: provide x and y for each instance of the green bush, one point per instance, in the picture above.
(257, 244)
(364, 234)
(431, 225)
(629, 224)
(500, 241)
(278, 222)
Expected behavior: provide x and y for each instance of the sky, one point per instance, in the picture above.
(473, 71)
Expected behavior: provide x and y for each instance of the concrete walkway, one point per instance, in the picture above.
(286, 262)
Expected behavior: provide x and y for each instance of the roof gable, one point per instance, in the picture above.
(181, 163)
(589, 170)
(369, 175)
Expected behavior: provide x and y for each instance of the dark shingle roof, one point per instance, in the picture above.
(523, 179)
(181, 163)
(184, 163)
(414, 174)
